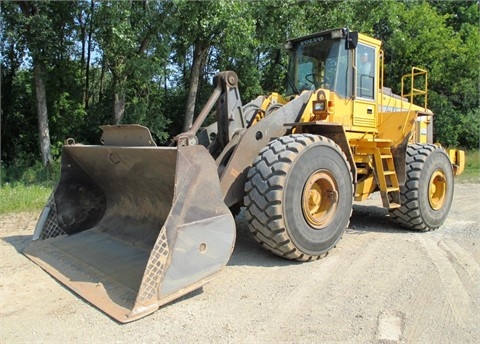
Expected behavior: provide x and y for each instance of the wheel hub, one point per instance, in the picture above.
(320, 199)
(437, 189)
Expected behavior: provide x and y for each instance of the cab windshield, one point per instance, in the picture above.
(319, 63)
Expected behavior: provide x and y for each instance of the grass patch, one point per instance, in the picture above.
(19, 198)
(26, 188)
(472, 168)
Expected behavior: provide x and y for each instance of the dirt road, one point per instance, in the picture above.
(380, 284)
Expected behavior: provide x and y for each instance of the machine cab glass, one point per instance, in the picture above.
(365, 62)
(319, 62)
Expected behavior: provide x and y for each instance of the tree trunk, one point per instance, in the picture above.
(8, 93)
(118, 84)
(31, 9)
(118, 107)
(102, 80)
(89, 54)
(199, 56)
(83, 68)
(44, 132)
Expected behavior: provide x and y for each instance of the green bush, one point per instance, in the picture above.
(26, 188)
(21, 173)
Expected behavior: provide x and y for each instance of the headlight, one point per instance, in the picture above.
(318, 105)
(319, 109)
(337, 34)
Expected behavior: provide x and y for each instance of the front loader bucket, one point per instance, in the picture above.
(132, 228)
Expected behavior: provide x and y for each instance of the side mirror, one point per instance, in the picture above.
(351, 40)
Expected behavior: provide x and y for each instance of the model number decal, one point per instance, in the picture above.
(312, 41)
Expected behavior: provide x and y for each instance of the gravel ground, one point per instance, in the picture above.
(380, 284)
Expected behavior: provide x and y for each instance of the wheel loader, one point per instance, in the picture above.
(132, 226)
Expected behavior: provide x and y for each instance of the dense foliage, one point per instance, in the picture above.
(76, 65)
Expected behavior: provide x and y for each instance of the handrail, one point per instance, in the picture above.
(416, 72)
(380, 112)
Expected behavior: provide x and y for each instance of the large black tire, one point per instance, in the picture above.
(428, 192)
(298, 196)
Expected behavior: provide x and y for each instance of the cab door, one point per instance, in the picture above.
(366, 84)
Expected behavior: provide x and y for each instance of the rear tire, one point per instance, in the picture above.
(427, 194)
(298, 196)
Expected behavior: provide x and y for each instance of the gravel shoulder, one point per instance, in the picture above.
(381, 284)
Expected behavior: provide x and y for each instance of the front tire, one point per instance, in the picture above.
(298, 196)
(427, 195)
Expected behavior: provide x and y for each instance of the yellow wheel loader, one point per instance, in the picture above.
(132, 226)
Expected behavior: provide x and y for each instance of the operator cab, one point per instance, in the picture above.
(323, 60)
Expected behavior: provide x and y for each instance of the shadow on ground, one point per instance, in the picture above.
(19, 242)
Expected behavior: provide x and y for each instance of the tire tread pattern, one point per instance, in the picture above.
(409, 214)
(265, 180)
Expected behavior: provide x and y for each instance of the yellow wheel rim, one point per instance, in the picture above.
(320, 199)
(437, 190)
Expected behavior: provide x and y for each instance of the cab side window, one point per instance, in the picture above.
(365, 62)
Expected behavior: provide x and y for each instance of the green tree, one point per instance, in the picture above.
(130, 38)
(39, 36)
(204, 31)
(36, 30)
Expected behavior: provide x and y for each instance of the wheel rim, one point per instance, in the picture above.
(320, 199)
(437, 190)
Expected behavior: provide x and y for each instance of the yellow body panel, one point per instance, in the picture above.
(457, 157)
(376, 123)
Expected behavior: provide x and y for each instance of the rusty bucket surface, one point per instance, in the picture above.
(132, 228)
